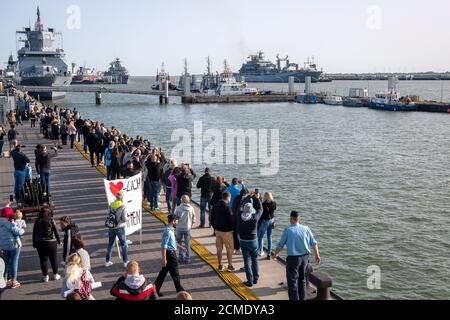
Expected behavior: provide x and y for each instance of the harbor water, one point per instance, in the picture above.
(372, 185)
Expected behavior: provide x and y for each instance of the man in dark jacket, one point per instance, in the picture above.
(20, 163)
(43, 165)
(247, 226)
(154, 173)
(92, 142)
(133, 285)
(184, 182)
(205, 183)
(222, 221)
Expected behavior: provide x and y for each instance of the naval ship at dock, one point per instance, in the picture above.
(39, 64)
(258, 69)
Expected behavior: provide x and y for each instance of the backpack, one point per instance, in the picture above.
(111, 220)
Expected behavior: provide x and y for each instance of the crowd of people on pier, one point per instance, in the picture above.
(239, 218)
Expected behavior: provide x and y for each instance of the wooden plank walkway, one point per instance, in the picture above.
(78, 192)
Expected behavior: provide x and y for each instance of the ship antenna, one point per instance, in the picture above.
(185, 66)
(39, 26)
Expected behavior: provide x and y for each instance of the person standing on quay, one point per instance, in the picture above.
(185, 214)
(20, 165)
(248, 224)
(169, 257)
(266, 224)
(299, 240)
(72, 133)
(154, 174)
(205, 183)
(92, 143)
(46, 240)
(43, 165)
(222, 222)
(119, 213)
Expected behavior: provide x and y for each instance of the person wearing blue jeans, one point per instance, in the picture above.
(265, 226)
(19, 181)
(247, 226)
(116, 223)
(155, 188)
(249, 250)
(206, 184)
(120, 234)
(185, 215)
(169, 199)
(203, 203)
(154, 175)
(299, 241)
(11, 258)
(9, 232)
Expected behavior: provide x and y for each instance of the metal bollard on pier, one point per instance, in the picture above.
(98, 98)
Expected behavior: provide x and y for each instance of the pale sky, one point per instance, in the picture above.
(344, 36)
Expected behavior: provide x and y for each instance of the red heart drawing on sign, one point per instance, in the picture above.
(115, 187)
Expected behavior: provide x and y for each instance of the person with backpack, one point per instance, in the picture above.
(115, 222)
(70, 229)
(237, 207)
(133, 285)
(205, 183)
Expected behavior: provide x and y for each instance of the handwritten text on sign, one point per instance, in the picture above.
(132, 198)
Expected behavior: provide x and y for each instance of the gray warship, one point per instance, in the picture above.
(116, 74)
(258, 69)
(39, 64)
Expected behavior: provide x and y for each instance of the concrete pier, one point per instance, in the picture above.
(238, 99)
(79, 193)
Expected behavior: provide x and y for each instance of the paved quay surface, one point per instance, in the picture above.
(78, 192)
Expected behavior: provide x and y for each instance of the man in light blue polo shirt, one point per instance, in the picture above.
(169, 257)
(299, 241)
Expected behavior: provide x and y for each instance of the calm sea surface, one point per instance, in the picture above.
(373, 186)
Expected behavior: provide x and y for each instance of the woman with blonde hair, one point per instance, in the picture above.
(267, 224)
(77, 279)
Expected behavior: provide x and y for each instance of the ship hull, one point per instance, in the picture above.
(392, 106)
(49, 81)
(281, 77)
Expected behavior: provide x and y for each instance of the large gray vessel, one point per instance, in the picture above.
(116, 74)
(258, 69)
(39, 63)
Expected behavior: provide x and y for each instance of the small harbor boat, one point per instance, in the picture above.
(161, 76)
(391, 101)
(358, 97)
(333, 100)
(228, 86)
